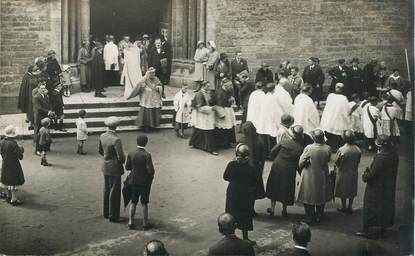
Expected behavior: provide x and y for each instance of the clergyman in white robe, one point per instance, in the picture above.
(131, 73)
(336, 119)
(283, 99)
(254, 105)
(305, 113)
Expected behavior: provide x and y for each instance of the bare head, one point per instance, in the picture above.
(226, 224)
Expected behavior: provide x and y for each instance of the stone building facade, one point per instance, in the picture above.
(264, 30)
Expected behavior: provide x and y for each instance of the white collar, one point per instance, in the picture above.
(340, 67)
(140, 147)
(301, 247)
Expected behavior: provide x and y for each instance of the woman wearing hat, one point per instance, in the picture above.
(53, 67)
(11, 170)
(201, 56)
(281, 179)
(355, 78)
(240, 194)
(379, 198)
(210, 63)
(84, 57)
(222, 69)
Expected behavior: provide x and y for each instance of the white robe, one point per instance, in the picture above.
(305, 113)
(284, 101)
(335, 118)
(131, 73)
(182, 105)
(408, 107)
(111, 56)
(254, 106)
(267, 122)
(367, 123)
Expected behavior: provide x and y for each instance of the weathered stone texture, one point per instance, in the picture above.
(273, 30)
(28, 28)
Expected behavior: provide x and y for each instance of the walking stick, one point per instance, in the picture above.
(407, 65)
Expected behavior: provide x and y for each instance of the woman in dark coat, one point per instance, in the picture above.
(379, 198)
(222, 68)
(25, 94)
(240, 195)
(11, 170)
(281, 179)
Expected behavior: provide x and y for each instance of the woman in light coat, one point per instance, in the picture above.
(210, 63)
(201, 56)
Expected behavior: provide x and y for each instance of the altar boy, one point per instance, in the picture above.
(182, 106)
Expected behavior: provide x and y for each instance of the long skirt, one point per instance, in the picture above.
(224, 137)
(203, 139)
(281, 185)
(85, 74)
(241, 209)
(148, 117)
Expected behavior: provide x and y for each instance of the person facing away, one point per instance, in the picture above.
(301, 236)
(230, 244)
(155, 248)
(44, 140)
(110, 148)
(139, 180)
(264, 74)
(339, 75)
(379, 197)
(305, 113)
(81, 131)
(347, 166)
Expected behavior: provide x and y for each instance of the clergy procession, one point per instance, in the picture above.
(313, 138)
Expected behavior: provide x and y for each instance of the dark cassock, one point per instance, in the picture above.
(370, 77)
(379, 197)
(203, 122)
(238, 65)
(240, 194)
(56, 101)
(157, 59)
(25, 94)
(281, 180)
(355, 79)
(313, 74)
(225, 116)
(97, 69)
(168, 50)
(339, 75)
(53, 69)
(256, 156)
(245, 89)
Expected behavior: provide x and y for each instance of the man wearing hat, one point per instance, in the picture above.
(379, 198)
(11, 170)
(157, 58)
(313, 74)
(41, 108)
(355, 78)
(339, 75)
(110, 147)
(245, 87)
(264, 74)
(238, 64)
(370, 76)
(53, 68)
(111, 61)
(201, 56)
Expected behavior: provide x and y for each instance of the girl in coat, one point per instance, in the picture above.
(11, 170)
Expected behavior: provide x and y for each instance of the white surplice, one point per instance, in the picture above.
(284, 102)
(110, 56)
(266, 117)
(335, 118)
(254, 106)
(305, 113)
(131, 73)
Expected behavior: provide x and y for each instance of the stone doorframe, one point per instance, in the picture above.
(186, 20)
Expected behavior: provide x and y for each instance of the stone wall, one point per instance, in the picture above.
(274, 30)
(29, 28)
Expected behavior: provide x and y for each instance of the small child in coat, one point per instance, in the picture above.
(66, 80)
(44, 140)
(81, 131)
(182, 105)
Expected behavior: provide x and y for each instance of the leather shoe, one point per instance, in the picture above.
(118, 220)
(100, 95)
(147, 227)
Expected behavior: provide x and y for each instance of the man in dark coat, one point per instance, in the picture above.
(379, 198)
(339, 75)
(158, 59)
(97, 70)
(238, 64)
(140, 163)
(11, 170)
(301, 236)
(167, 48)
(110, 147)
(53, 68)
(230, 244)
(355, 78)
(370, 77)
(245, 88)
(25, 94)
(264, 74)
(313, 74)
(41, 108)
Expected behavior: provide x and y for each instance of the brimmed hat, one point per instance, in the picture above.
(45, 121)
(264, 65)
(10, 131)
(151, 70)
(341, 61)
(51, 52)
(146, 36)
(297, 131)
(382, 140)
(65, 67)
(314, 59)
(244, 73)
(199, 43)
(287, 120)
(318, 135)
(355, 60)
(112, 121)
(212, 43)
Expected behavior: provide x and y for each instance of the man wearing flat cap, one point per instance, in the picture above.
(338, 74)
(110, 147)
(313, 74)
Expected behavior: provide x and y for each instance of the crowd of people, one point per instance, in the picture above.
(283, 121)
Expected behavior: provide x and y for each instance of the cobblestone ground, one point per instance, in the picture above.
(62, 210)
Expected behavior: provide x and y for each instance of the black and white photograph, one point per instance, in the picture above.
(207, 127)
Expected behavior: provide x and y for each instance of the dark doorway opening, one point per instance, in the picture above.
(128, 17)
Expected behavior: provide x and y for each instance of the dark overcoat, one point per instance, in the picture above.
(339, 76)
(356, 83)
(314, 76)
(25, 93)
(240, 195)
(11, 170)
(110, 147)
(97, 69)
(265, 76)
(281, 179)
(41, 107)
(379, 198)
(231, 245)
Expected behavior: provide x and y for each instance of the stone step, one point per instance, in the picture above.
(125, 121)
(106, 112)
(110, 104)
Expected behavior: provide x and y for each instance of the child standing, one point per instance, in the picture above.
(81, 131)
(44, 140)
(182, 105)
(66, 80)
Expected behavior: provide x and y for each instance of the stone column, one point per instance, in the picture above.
(191, 28)
(65, 31)
(85, 19)
(72, 30)
(201, 20)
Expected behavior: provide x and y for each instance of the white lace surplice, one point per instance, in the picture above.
(131, 73)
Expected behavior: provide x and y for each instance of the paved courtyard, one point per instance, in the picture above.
(62, 210)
